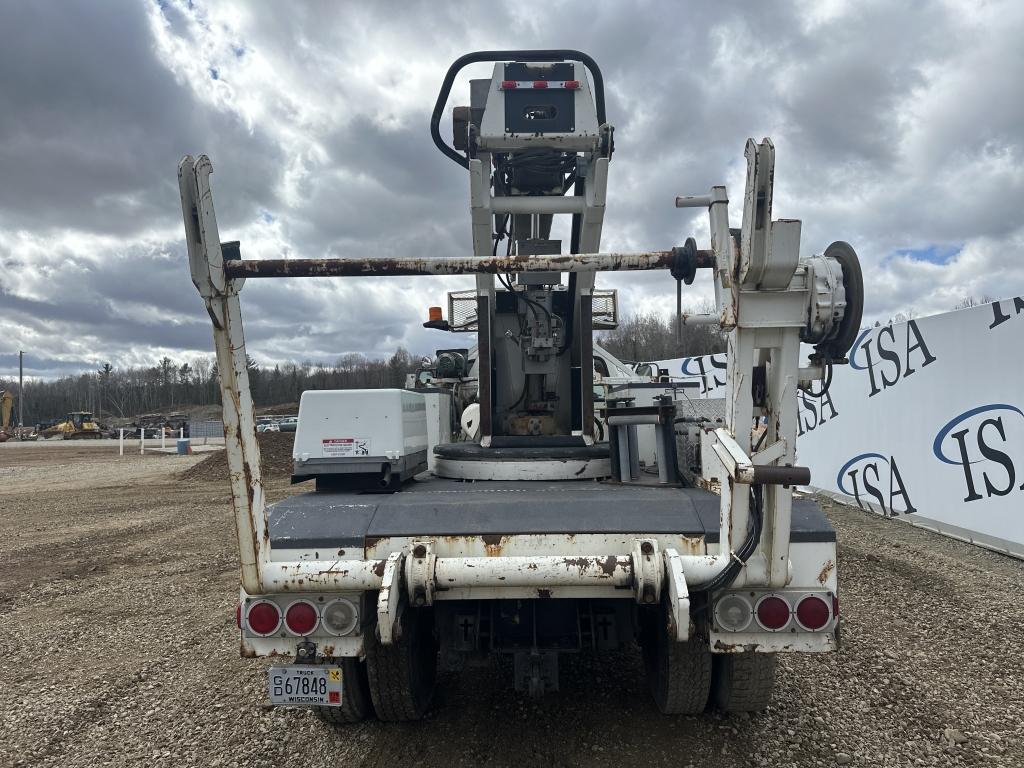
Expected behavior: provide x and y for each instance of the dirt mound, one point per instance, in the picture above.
(275, 459)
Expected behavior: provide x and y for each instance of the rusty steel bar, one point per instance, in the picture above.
(459, 265)
(495, 572)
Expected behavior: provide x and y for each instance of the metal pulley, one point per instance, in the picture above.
(684, 270)
(685, 261)
(835, 302)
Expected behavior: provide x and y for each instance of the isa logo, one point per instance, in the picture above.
(710, 368)
(987, 444)
(891, 355)
(875, 476)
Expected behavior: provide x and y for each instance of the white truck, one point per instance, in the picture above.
(535, 535)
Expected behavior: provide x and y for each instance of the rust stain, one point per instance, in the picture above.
(378, 568)
(493, 544)
(544, 594)
(609, 565)
(735, 647)
(826, 570)
(582, 563)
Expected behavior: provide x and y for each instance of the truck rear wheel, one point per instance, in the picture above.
(743, 682)
(402, 675)
(355, 695)
(679, 674)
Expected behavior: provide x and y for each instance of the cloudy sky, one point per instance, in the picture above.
(898, 127)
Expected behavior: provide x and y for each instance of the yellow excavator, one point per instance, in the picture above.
(78, 425)
(6, 406)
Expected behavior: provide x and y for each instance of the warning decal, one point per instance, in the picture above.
(346, 446)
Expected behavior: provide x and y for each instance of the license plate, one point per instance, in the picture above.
(305, 686)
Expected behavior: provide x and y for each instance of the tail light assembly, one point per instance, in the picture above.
(781, 611)
(297, 616)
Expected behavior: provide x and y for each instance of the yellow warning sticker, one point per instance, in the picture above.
(334, 675)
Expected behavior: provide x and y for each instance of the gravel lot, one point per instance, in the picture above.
(118, 586)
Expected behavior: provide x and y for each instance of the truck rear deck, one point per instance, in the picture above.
(492, 512)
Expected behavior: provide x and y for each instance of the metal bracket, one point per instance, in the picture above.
(389, 600)
(678, 597)
(419, 574)
(647, 571)
(742, 469)
(736, 462)
(771, 454)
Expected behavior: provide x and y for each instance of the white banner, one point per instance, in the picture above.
(925, 424)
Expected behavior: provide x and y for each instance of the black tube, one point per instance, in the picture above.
(556, 54)
(770, 474)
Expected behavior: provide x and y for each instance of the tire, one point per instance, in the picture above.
(402, 675)
(355, 695)
(743, 682)
(679, 674)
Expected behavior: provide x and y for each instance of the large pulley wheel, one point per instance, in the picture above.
(355, 695)
(743, 682)
(853, 286)
(401, 676)
(679, 674)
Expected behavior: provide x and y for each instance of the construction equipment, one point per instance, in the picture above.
(6, 406)
(78, 425)
(536, 534)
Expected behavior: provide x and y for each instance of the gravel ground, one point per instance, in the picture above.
(117, 591)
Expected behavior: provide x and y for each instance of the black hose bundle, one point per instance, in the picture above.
(755, 523)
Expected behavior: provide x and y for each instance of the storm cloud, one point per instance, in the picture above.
(898, 127)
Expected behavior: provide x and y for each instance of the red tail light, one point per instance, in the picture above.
(812, 613)
(508, 85)
(773, 612)
(301, 618)
(263, 618)
(572, 85)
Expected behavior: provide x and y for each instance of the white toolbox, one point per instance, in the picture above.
(361, 431)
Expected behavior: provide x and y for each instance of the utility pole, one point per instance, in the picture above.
(21, 394)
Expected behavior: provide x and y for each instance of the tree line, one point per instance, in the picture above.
(127, 392)
(646, 337)
(124, 393)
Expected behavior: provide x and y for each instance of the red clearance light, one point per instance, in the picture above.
(540, 84)
(572, 85)
(507, 85)
(812, 613)
(263, 618)
(773, 612)
(300, 618)
(238, 615)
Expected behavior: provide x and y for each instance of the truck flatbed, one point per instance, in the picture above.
(437, 507)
